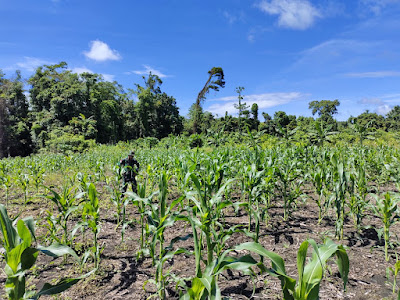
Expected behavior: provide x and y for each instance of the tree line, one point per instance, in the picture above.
(65, 111)
(69, 110)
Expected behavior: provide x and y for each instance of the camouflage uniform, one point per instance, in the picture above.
(130, 169)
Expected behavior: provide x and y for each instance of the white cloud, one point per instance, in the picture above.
(148, 69)
(100, 51)
(371, 101)
(383, 109)
(375, 74)
(108, 77)
(267, 100)
(376, 6)
(229, 17)
(337, 56)
(294, 14)
(81, 70)
(30, 64)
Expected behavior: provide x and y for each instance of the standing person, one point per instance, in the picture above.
(130, 169)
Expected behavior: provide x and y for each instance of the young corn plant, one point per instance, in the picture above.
(254, 188)
(23, 181)
(318, 178)
(140, 200)
(288, 184)
(20, 255)
(5, 180)
(207, 201)
(310, 274)
(91, 217)
(37, 173)
(66, 204)
(394, 271)
(205, 284)
(358, 189)
(340, 178)
(387, 210)
(113, 186)
(160, 216)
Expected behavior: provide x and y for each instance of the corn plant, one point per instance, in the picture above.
(66, 203)
(20, 255)
(318, 179)
(113, 186)
(387, 210)
(340, 179)
(288, 184)
(358, 189)
(394, 271)
(207, 201)
(140, 200)
(253, 185)
(23, 181)
(91, 217)
(160, 216)
(205, 284)
(310, 274)
(37, 172)
(5, 179)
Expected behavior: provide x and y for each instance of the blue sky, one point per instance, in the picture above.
(285, 53)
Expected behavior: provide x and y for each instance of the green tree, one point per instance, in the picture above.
(156, 113)
(254, 112)
(325, 109)
(214, 82)
(241, 107)
(15, 136)
(393, 118)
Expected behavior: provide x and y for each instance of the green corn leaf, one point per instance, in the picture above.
(30, 224)
(301, 260)
(277, 261)
(197, 289)
(343, 264)
(62, 285)
(28, 258)
(24, 233)
(57, 250)
(14, 256)
(10, 238)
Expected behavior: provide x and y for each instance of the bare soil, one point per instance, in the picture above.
(122, 276)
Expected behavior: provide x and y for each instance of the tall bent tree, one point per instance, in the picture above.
(214, 82)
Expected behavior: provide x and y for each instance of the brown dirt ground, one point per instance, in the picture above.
(122, 276)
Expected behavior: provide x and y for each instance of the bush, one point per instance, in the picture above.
(195, 140)
(67, 143)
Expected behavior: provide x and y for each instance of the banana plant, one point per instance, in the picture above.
(20, 255)
(307, 286)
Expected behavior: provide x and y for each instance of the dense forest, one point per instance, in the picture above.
(58, 110)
